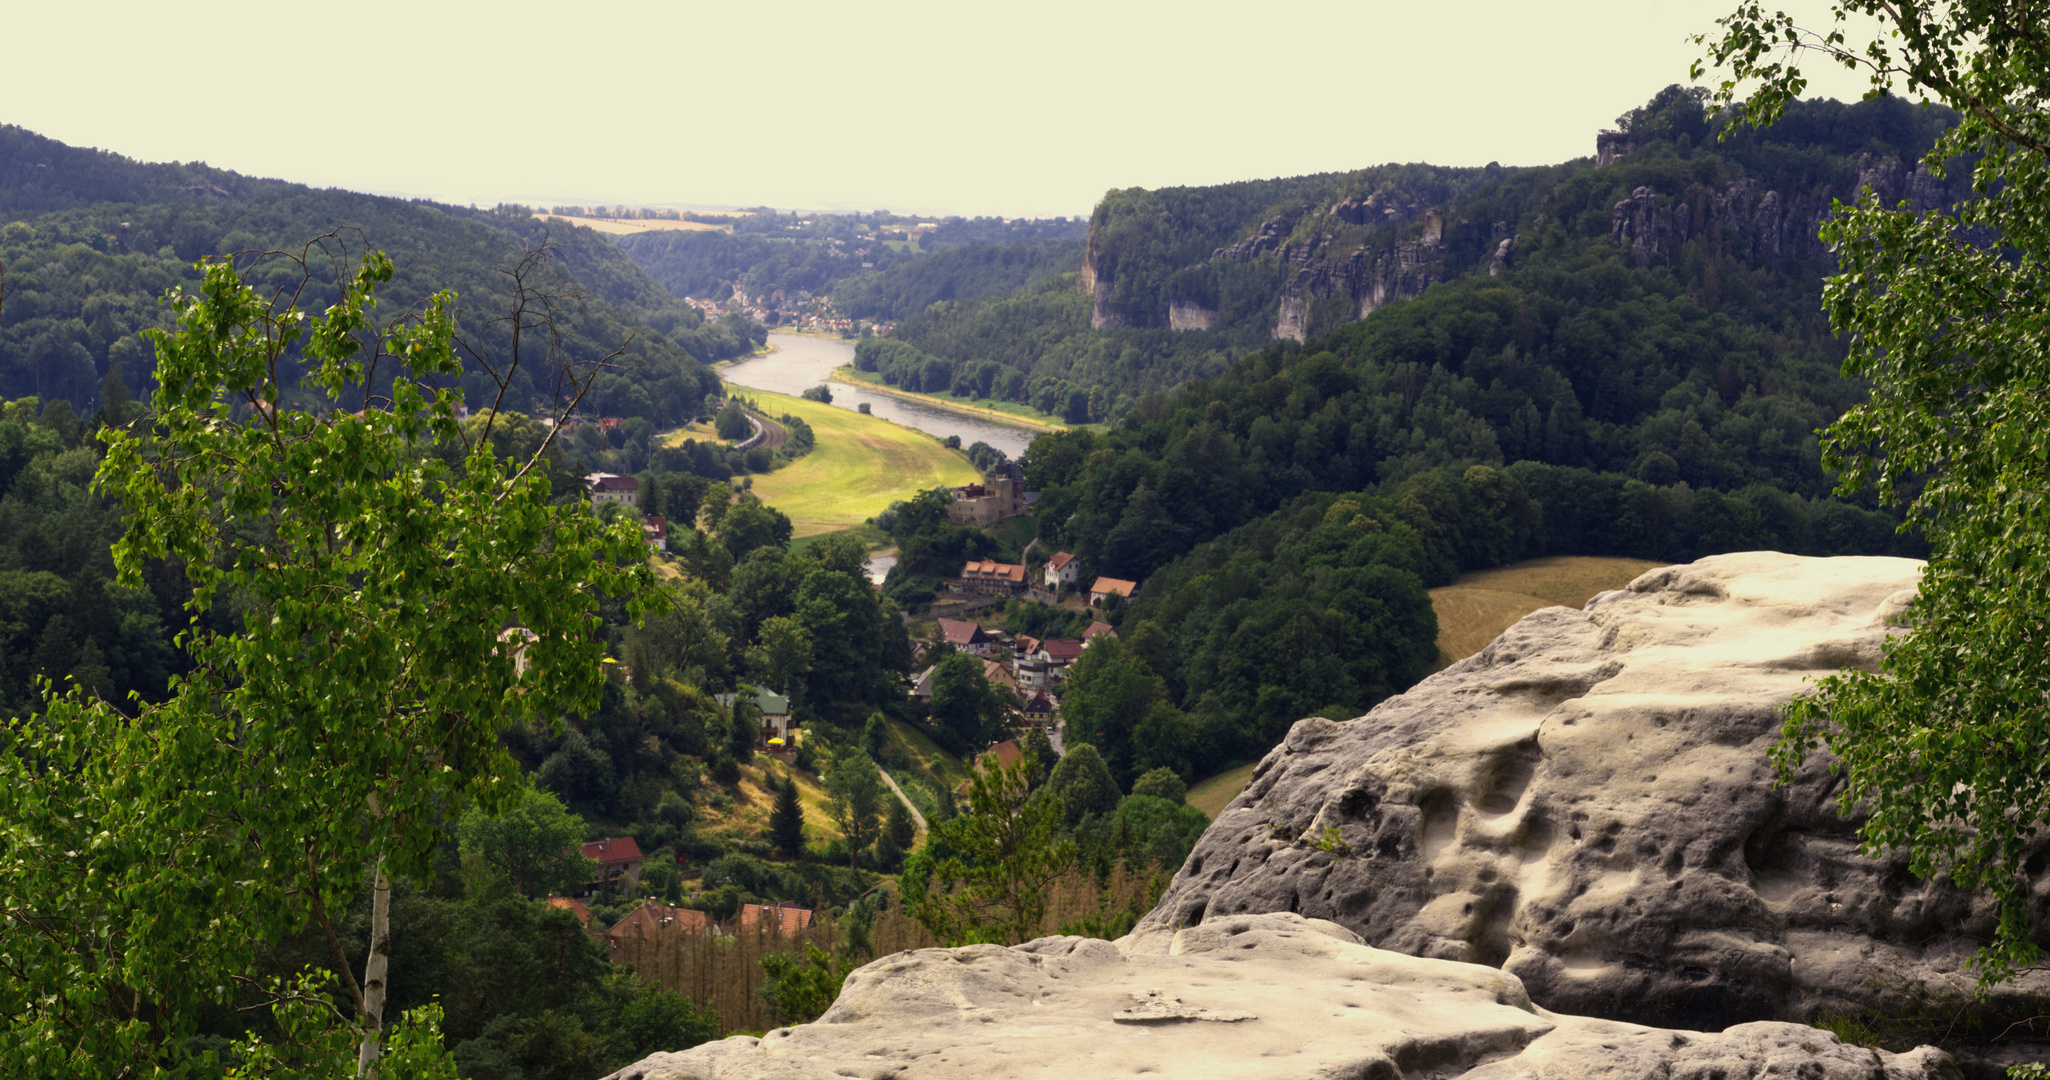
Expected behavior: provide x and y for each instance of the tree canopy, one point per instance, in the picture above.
(251, 804)
(1947, 308)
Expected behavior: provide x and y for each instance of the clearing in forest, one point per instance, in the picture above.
(1477, 607)
(860, 465)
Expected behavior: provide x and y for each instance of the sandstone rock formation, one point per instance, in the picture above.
(1247, 997)
(1586, 804)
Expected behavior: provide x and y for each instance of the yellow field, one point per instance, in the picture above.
(755, 799)
(619, 226)
(1210, 795)
(1475, 609)
(860, 465)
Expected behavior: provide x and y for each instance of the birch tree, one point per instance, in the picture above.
(406, 594)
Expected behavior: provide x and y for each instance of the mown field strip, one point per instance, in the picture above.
(861, 465)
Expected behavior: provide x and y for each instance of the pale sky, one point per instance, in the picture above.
(1030, 109)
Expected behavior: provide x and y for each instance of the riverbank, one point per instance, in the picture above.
(874, 384)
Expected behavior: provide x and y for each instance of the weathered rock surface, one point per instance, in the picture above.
(1587, 805)
(1247, 997)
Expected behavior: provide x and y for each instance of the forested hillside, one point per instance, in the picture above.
(1715, 236)
(1639, 371)
(90, 240)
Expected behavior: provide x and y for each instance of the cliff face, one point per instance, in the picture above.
(1763, 227)
(1332, 250)
(1587, 805)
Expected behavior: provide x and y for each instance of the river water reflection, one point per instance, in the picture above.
(800, 363)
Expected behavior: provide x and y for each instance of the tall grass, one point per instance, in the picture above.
(725, 973)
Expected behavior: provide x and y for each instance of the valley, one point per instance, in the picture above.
(642, 679)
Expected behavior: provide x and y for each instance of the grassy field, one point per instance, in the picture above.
(692, 430)
(1210, 795)
(748, 817)
(996, 412)
(861, 465)
(929, 761)
(1473, 610)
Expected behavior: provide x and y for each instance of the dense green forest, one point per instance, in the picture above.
(1034, 346)
(957, 273)
(90, 240)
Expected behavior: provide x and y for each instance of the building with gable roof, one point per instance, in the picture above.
(1062, 571)
(965, 636)
(783, 917)
(618, 858)
(650, 921)
(990, 577)
(611, 487)
(1106, 587)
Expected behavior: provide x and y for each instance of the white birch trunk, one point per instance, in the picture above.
(374, 975)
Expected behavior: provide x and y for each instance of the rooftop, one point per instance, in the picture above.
(623, 849)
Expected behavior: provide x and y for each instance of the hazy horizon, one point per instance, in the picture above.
(907, 106)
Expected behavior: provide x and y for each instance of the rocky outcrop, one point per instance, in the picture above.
(1756, 226)
(1248, 997)
(1611, 146)
(1189, 315)
(1763, 227)
(1103, 313)
(1366, 281)
(1586, 804)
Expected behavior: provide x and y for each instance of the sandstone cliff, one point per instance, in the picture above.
(1586, 804)
(1248, 997)
(1332, 252)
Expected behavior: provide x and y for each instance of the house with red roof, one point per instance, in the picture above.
(1106, 587)
(990, 577)
(573, 906)
(609, 487)
(616, 859)
(1062, 571)
(651, 921)
(965, 636)
(783, 917)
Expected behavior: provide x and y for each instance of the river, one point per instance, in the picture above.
(800, 363)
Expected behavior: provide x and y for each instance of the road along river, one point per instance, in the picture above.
(800, 363)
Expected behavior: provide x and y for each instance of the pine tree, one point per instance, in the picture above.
(786, 821)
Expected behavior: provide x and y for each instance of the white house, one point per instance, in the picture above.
(607, 487)
(1063, 571)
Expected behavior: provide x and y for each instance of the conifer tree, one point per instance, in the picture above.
(786, 821)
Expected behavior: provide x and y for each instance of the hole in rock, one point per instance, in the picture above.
(1506, 777)
(1439, 824)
